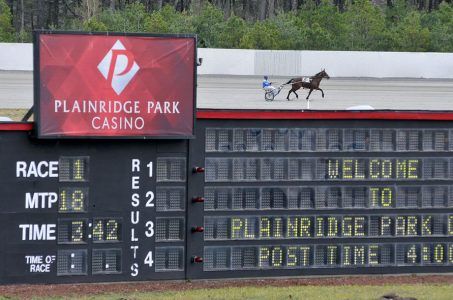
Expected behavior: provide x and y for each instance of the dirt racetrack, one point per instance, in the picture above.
(244, 92)
(53, 290)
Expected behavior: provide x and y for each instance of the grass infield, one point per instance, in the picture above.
(420, 291)
(14, 114)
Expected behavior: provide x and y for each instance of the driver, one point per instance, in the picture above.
(267, 86)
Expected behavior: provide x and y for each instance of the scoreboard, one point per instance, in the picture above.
(78, 211)
(322, 196)
(255, 194)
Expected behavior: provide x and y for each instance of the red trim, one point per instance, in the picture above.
(292, 115)
(326, 115)
(16, 126)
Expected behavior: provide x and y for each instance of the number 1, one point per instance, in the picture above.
(150, 167)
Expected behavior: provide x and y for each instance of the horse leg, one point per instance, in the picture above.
(311, 90)
(297, 96)
(287, 97)
(321, 92)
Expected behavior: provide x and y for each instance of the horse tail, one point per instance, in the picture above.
(289, 81)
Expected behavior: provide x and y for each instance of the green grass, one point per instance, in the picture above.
(14, 114)
(431, 292)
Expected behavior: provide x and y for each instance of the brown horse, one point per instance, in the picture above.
(315, 80)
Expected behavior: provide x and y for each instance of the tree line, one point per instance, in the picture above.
(378, 25)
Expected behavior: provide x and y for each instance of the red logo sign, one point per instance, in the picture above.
(127, 86)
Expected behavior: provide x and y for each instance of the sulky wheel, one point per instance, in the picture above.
(269, 96)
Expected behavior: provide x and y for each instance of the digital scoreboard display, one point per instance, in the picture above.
(248, 197)
(113, 85)
(91, 210)
(295, 197)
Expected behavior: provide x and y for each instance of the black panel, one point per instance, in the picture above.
(78, 211)
(286, 197)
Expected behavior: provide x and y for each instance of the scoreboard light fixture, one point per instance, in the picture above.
(197, 199)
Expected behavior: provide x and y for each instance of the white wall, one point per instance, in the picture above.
(288, 63)
(336, 63)
(227, 61)
(378, 64)
(16, 57)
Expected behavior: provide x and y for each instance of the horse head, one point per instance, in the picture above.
(323, 73)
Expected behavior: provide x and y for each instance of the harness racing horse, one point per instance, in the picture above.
(315, 80)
